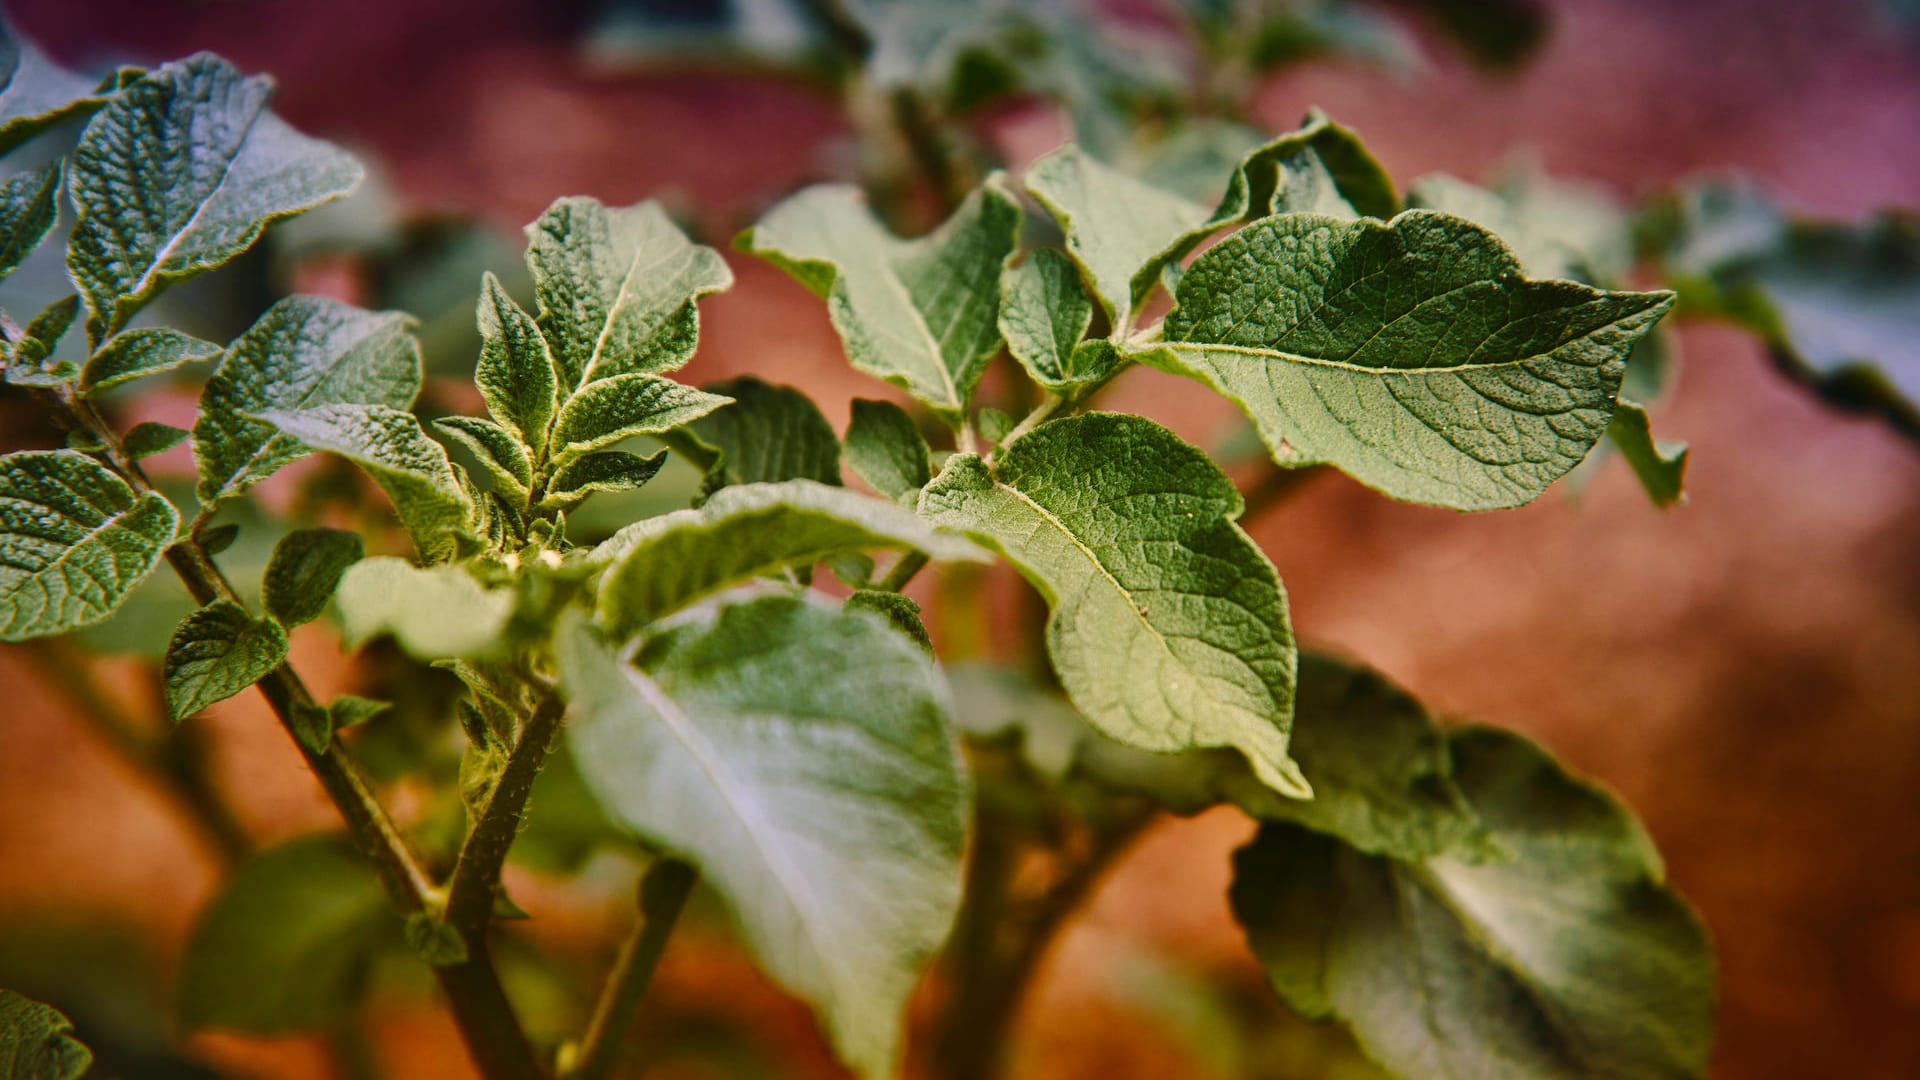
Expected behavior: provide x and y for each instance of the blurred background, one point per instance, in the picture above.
(1744, 668)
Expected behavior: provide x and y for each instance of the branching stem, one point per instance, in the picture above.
(663, 894)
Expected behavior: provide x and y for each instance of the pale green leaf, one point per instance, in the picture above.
(180, 172)
(994, 424)
(801, 758)
(1044, 314)
(150, 437)
(885, 449)
(900, 612)
(612, 410)
(36, 93)
(1568, 959)
(37, 1043)
(769, 433)
(304, 571)
(1116, 226)
(287, 944)
(305, 351)
(606, 471)
(412, 469)
(662, 564)
(74, 540)
(617, 288)
(1169, 628)
(918, 313)
(30, 359)
(496, 449)
(515, 373)
(217, 652)
(1411, 354)
(1661, 466)
(29, 206)
(1556, 228)
(436, 612)
(135, 354)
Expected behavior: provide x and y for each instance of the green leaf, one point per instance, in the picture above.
(1044, 314)
(1169, 628)
(180, 172)
(1321, 168)
(217, 652)
(801, 758)
(662, 564)
(1410, 354)
(349, 709)
(412, 469)
(36, 93)
(305, 351)
(1116, 226)
(918, 313)
(1661, 466)
(137, 354)
(1569, 959)
(900, 612)
(435, 612)
(608, 471)
(770, 433)
(305, 570)
(37, 1043)
(29, 361)
(887, 450)
(150, 437)
(1556, 229)
(435, 941)
(615, 409)
(29, 206)
(497, 450)
(516, 373)
(288, 943)
(994, 424)
(74, 540)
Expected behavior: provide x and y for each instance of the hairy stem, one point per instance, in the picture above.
(476, 873)
(663, 894)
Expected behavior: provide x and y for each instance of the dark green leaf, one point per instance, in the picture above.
(497, 450)
(611, 410)
(348, 709)
(433, 612)
(770, 433)
(29, 205)
(608, 470)
(515, 374)
(150, 437)
(311, 726)
(887, 450)
(304, 571)
(218, 538)
(1661, 466)
(74, 540)
(30, 360)
(216, 653)
(899, 612)
(1044, 314)
(37, 1043)
(135, 354)
(435, 941)
(1321, 168)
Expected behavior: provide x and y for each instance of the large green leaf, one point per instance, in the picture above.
(1569, 958)
(1411, 354)
(304, 571)
(617, 288)
(614, 409)
(410, 467)
(29, 205)
(1169, 628)
(887, 450)
(217, 652)
(180, 172)
(37, 1043)
(1556, 229)
(662, 564)
(36, 93)
(918, 313)
(1044, 313)
(768, 433)
(801, 757)
(305, 351)
(74, 540)
(135, 354)
(515, 373)
(434, 612)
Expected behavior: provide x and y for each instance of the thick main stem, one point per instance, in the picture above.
(663, 893)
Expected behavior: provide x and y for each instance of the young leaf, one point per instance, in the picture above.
(1044, 314)
(180, 172)
(37, 1043)
(1569, 959)
(919, 313)
(1116, 226)
(1169, 628)
(29, 362)
(515, 373)
(617, 289)
(305, 570)
(886, 449)
(412, 469)
(29, 205)
(611, 410)
(801, 757)
(304, 352)
(74, 540)
(1661, 466)
(36, 93)
(136, 354)
(1411, 354)
(770, 433)
(608, 470)
(662, 564)
(994, 424)
(434, 613)
(286, 946)
(151, 437)
(900, 612)
(434, 941)
(502, 455)
(217, 652)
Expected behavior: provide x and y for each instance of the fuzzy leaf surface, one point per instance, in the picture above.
(769, 433)
(29, 361)
(1044, 313)
(36, 93)
(37, 1043)
(886, 449)
(611, 410)
(802, 758)
(304, 570)
(435, 612)
(150, 437)
(411, 468)
(607, 470)
(29, 206)
(499, 452)
(515, 373)
(217, 652)
(74, 540)
(1169, 628)
(1116, 226)
(135, 354)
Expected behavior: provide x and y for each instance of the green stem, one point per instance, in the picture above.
(903, 571)
(476, 872)
(663, 894)
(1041, 413)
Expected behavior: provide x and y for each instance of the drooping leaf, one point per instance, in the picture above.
(662, 564)
(1661, 466)
(30, 360)
(608, 471)
(37, 1043)
(617, 289)
(496, 449)
(305, 570)
(769, 433)
(435, 612)
(887, 450)
(1116, 226)
(611, 410)
(515, 373)
(135, 354)
(305, 351)
(412, 469)
(74, 540)
(1570, 958)
(900, 612)
(180, 172)
(1412, 354)
(1169, 628)
(1320, 168)
(287, 945)
(217, 652)
(150, 437)
(1044, 314)
(29, 206)
(918, 313)
(36, 93)
(801, 758)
